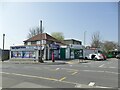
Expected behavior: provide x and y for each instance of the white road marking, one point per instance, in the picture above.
(70, 69)
(102, 65)
(57, 68)
(5, 72)
(112, 67)
(70, 65)
(102, 87)
(100, 71)
(91, 84)
(89, 71)
(112, 72)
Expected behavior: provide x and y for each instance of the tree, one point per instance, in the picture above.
(58, 35)
(96, 42)
(109, 45)
(33, 32)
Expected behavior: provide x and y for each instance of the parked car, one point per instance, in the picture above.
(104, 56)
(96, 56)
(118, 56)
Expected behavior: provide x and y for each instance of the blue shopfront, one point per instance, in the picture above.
(23, 52)
(55, 48)
(33, 51)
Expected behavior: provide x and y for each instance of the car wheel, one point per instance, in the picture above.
(92, 57)
(95, 59)
(104, 58)
(86, 58)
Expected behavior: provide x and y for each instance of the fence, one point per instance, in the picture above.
(4, 54)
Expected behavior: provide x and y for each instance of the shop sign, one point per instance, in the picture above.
(54, 46)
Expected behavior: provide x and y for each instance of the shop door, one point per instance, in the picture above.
(62, 53)
(78, 54)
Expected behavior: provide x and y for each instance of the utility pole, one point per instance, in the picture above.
(3, 47)
(3, 40)
(40, 53)
(84, 38)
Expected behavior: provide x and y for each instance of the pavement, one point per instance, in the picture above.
(46, 62)
(77, 61)
(35, 62)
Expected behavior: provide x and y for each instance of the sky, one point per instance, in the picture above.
(70, 18)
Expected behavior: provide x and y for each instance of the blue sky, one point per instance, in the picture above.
(71, 18)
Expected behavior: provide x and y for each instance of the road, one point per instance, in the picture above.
(93, 74)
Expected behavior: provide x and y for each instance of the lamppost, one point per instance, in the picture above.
(3, 47)
(3, 40)
(40, 53)
(84, 38)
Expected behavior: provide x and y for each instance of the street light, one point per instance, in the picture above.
(40, 54)
(3, 40)
(3, 47)
(84, 38)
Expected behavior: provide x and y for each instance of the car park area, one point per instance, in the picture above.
(91, 74)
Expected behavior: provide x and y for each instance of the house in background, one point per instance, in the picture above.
(72, 41)
(72, 50)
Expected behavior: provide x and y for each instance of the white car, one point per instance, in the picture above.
(96, 56)
(118, 56)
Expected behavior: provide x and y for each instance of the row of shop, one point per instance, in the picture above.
(60, 52)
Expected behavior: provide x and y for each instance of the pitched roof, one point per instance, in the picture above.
(72, 40)
(43, 36)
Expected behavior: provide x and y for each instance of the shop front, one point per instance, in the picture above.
(71, 51)
(27, 52)
(76, 51)
(55, 49)
(23, 52)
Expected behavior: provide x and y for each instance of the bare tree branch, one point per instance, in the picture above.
(96, 40)
(34, 31)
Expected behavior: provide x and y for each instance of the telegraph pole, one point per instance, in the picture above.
(40, 53)
(3, 47)
(3, 40)
(84, 38)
